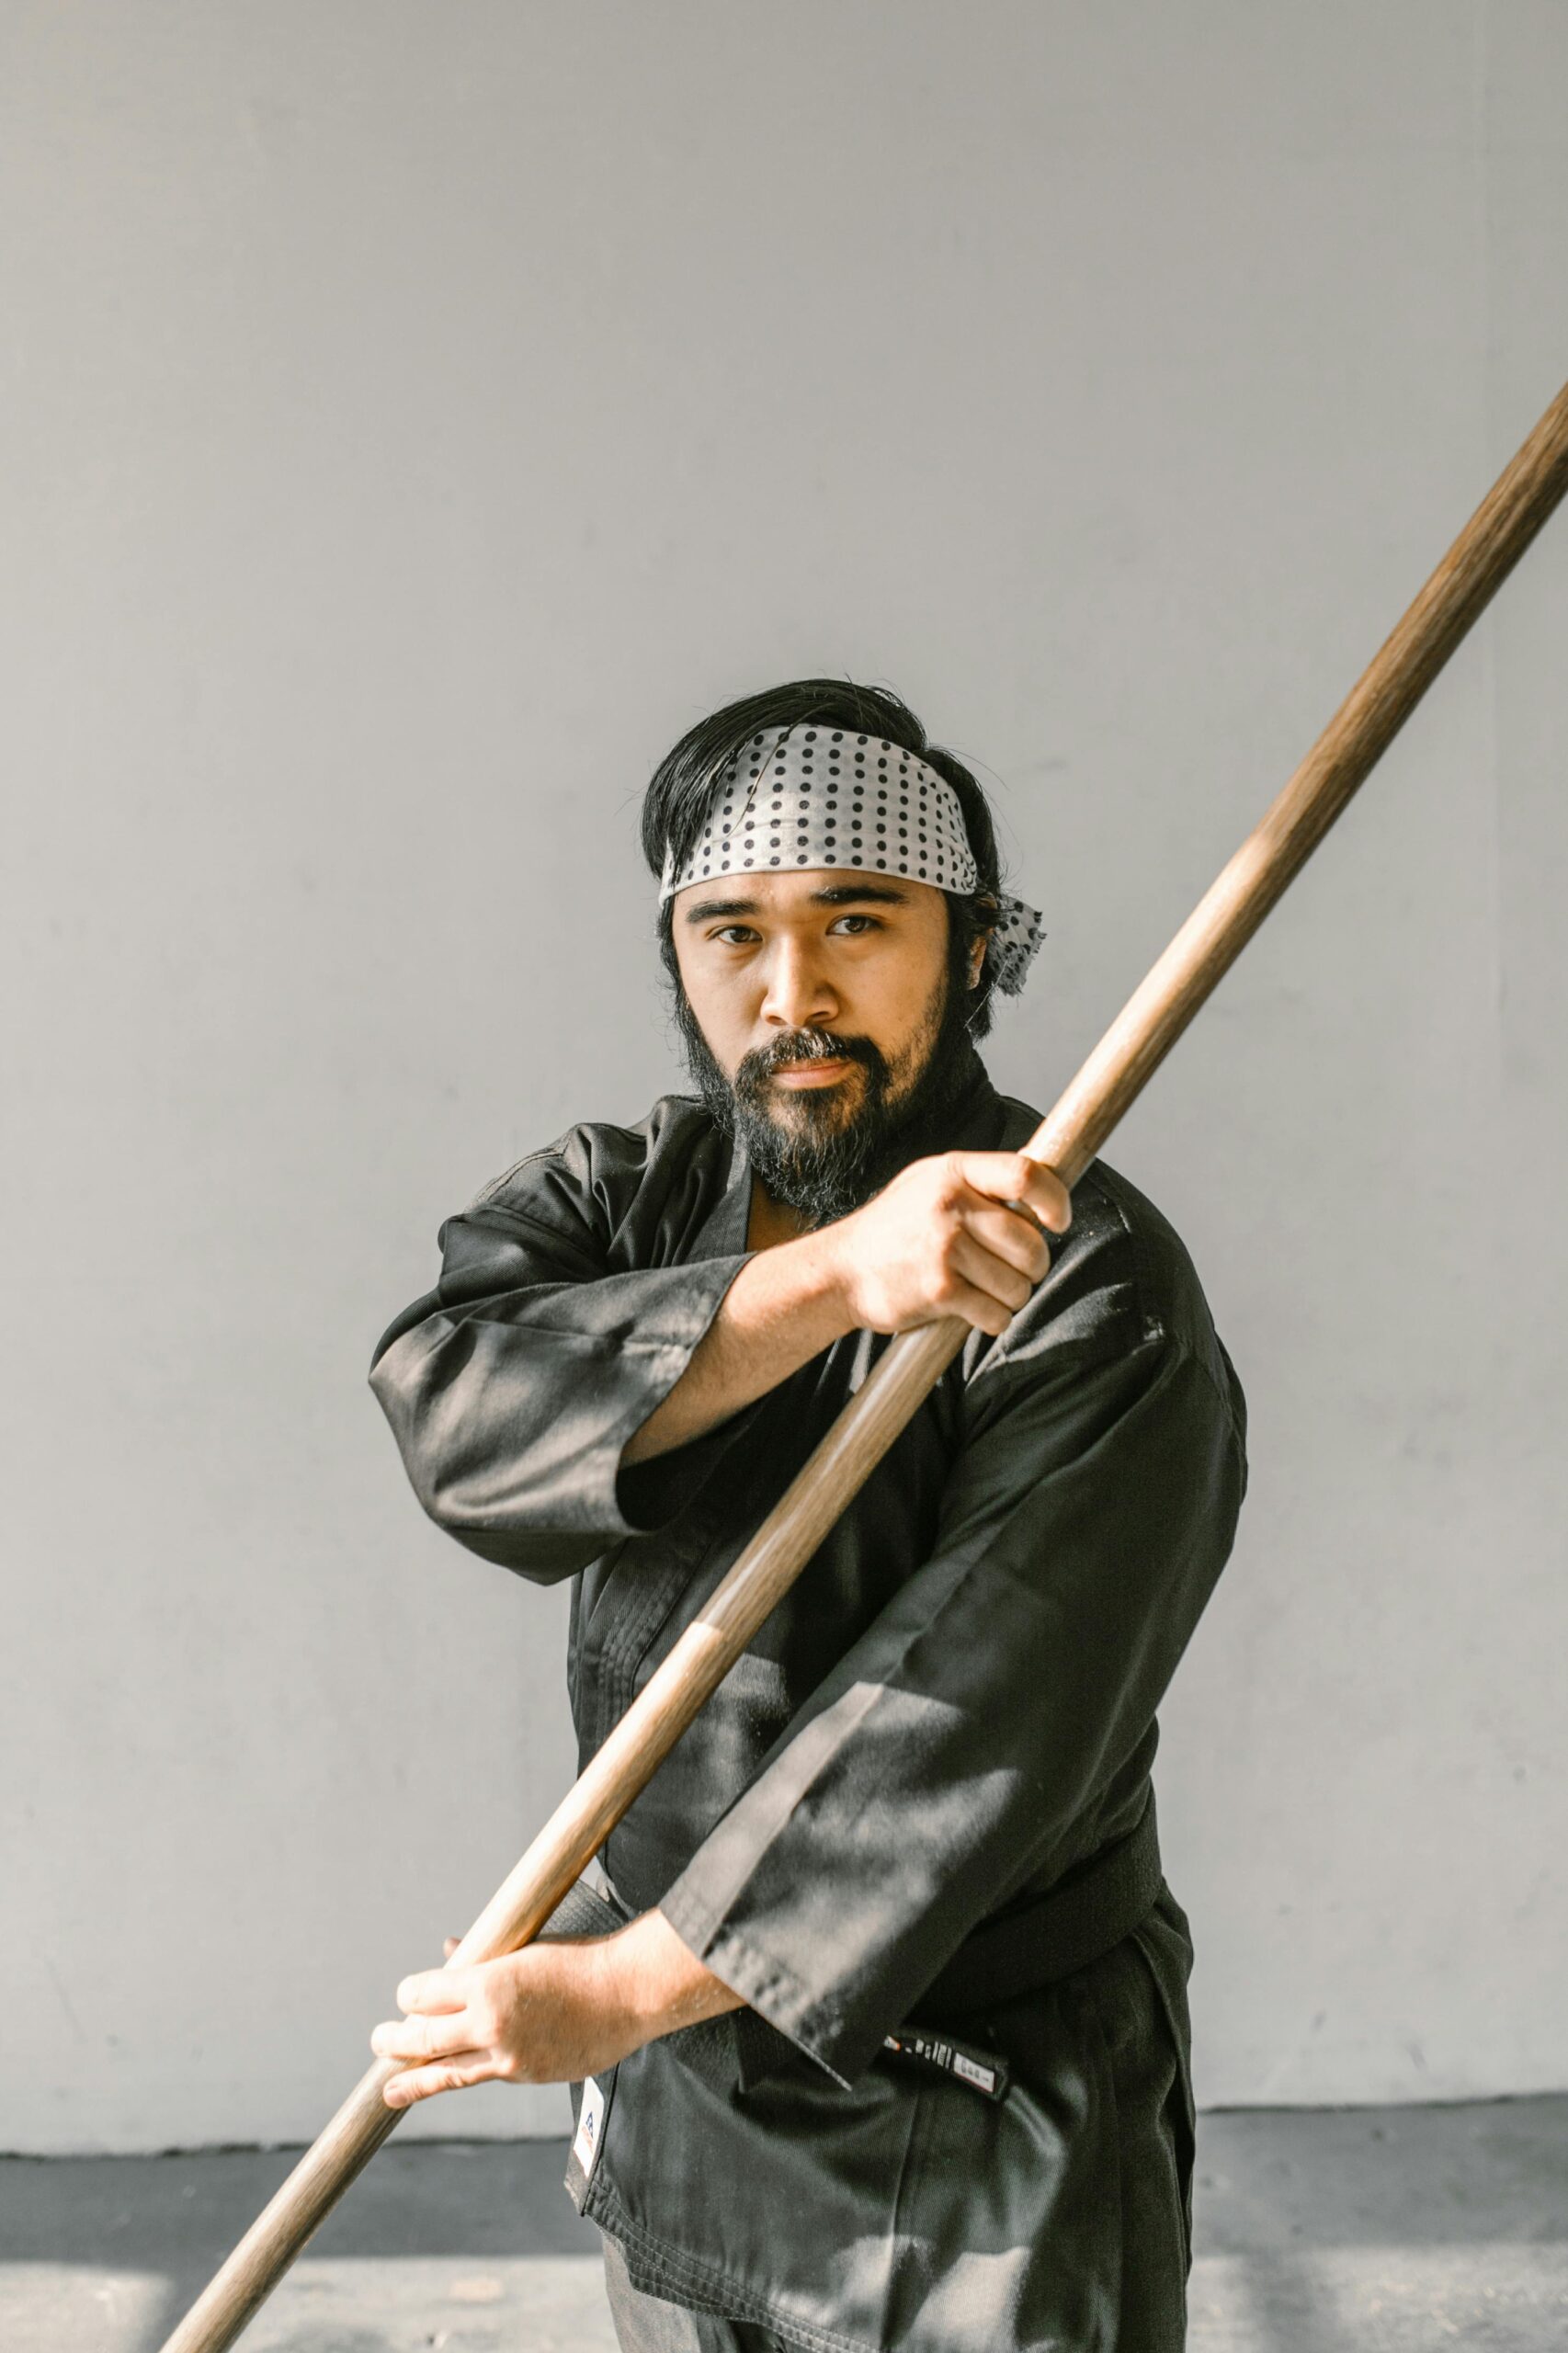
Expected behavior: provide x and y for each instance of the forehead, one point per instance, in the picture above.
(807, 892)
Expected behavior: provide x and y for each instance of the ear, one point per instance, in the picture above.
(984, 906)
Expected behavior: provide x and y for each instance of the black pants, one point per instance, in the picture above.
(1101, 2078)
(647, 2324)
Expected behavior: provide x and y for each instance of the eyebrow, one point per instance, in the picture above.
(838, 895)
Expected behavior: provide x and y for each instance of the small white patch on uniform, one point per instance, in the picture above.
(590, 2127)
(984, 2076)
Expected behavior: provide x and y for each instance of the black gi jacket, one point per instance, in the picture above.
(952, 1707)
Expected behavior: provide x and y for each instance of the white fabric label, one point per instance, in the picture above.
(590, 2127)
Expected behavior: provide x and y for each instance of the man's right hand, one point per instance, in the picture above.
(958, 1235)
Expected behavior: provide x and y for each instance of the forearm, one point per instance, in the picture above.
(662, 1985)
(784, 1307)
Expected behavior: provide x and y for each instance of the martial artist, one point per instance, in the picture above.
(876, 2011)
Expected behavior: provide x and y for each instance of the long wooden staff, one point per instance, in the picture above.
(1130, 1052)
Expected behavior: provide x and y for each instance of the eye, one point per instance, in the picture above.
(863, 923)
(734, 935)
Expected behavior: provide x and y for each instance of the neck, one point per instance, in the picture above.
(770, 1221)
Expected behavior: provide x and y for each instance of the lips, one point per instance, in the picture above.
(816, 1072)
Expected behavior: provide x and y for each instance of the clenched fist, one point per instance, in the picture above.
(958, 1235)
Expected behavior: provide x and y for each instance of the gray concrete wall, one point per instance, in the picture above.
(417, 417)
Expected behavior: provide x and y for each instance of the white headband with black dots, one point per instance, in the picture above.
(824, 796)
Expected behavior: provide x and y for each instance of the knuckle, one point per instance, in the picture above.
(951, 1181)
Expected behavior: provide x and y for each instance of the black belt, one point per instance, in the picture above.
(1049, 1935)
(1041, 1941)
(1036, 1944)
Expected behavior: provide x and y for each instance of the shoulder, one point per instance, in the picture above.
(607, 1178)
(1122, 1278)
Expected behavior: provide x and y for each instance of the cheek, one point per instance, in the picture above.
(724, 1006)
(893, 993)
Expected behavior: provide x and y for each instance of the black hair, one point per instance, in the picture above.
(678, 795)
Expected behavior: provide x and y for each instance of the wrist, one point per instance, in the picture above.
(820, 1264)
(660, 1983)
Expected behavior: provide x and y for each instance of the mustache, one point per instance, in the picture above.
(805, 1046)
(811, 1149)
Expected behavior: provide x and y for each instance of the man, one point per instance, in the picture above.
(885, 2039)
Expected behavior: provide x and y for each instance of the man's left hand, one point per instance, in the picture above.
(561, 2009)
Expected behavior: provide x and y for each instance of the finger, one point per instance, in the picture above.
(1046, 1195)
(1007, 1287)
(976, 1305)
(462, 2068)
(433, 1990)
(1014, 1177)
(1016, 1240)
(423, 2038)
(977, 1308)
(450, 1946)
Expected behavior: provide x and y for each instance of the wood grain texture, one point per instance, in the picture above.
(1111, 1080)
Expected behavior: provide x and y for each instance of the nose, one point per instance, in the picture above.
(797, 994)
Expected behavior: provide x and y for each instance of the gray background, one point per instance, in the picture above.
(417, 416)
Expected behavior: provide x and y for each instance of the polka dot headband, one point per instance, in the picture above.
(824, 796)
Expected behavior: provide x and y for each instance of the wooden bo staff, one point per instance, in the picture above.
(1110, 1082)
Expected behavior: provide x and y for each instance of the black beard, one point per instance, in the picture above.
(822, 1161)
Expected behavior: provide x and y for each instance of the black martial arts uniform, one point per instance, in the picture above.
(951, 1712)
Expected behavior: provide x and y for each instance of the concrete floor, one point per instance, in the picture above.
(1365, 2230)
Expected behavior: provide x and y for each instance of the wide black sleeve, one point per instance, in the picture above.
(947, 1757)
(513, 1386)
